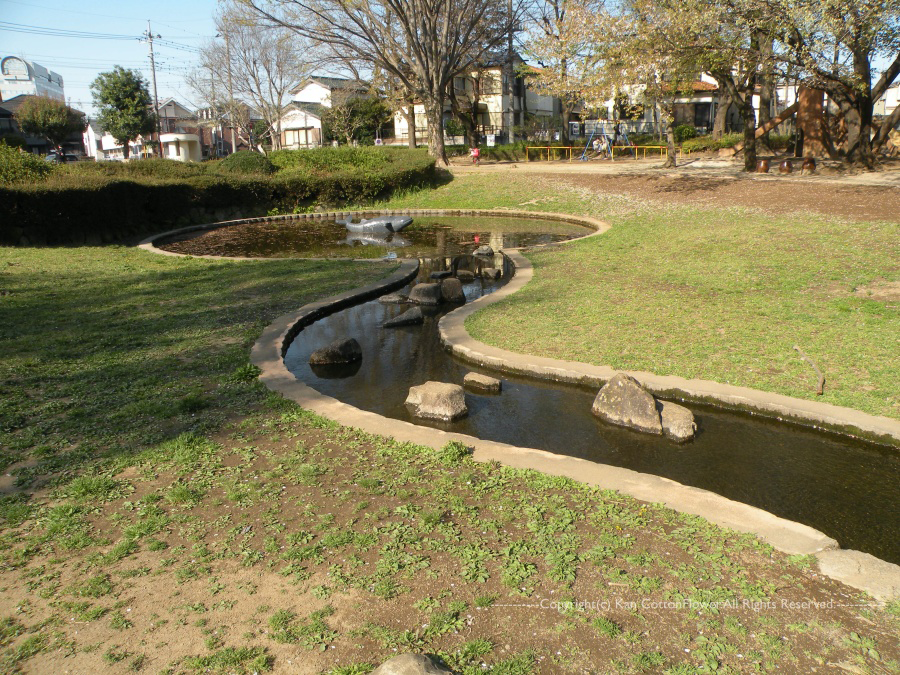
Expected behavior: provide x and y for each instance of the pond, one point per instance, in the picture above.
(428, 236)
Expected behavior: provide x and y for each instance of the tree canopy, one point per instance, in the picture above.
(423, 44)
(124, 104)
(48, 118)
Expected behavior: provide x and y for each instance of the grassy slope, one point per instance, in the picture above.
(721, 295)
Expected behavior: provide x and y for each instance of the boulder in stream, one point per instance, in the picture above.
(624, 402)
(437, 401)
(425, 294)
(339, 351)
(452, 291)
(410, 317)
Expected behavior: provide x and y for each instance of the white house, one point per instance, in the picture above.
(20, 77)
(321, 90)
(301, 125)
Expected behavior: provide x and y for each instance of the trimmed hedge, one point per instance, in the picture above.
(245, 162)
(702, 143)
(96, 208)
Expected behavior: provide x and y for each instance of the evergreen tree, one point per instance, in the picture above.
(125, 105)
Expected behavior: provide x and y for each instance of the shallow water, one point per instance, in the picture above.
(843, 487)
(427, 236)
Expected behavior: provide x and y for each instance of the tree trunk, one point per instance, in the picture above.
(566, 111)
(669, 118)
(721, 114)
(766, 80)
(434, 111)
(749, 119)
(858, 147)
(410, 114)
(125, 149)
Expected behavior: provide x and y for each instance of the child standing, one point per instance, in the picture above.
(475, 153)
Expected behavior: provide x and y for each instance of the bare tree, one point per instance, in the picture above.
(423, 44)
(256, 64)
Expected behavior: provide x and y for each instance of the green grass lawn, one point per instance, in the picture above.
(105, 351)
(720, 294)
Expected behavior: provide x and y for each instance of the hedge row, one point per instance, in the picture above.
(93, 209)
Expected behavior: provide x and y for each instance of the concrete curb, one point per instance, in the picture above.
(858, 570)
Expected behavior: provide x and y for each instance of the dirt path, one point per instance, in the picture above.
(865, 196)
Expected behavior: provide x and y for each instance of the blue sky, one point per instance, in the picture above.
(184, 26)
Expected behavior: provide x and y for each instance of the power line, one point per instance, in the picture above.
(61, 32)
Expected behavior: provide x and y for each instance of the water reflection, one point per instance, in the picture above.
(426, 237)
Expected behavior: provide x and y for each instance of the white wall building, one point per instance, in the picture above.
(20, 77)
(301, 126)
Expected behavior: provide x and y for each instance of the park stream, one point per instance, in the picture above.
(839, 485)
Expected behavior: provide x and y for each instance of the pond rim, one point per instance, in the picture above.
(859, 570)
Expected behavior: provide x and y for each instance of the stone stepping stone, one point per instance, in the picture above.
(437, 401)
(483, 384)
(339, 351)
(410, 317)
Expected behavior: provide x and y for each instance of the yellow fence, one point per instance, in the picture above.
(548, 152)
(557, 151)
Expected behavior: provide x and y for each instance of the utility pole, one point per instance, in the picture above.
(149, 36)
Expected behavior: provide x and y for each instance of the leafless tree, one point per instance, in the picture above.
(422, 44)
(255, 64)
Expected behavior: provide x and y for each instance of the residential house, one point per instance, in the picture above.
(218, 137)
(486, 88)
(324, 91)
(19, 77)
(35, 144)
(301, 125)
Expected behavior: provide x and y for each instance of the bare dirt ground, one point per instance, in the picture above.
(705, 181)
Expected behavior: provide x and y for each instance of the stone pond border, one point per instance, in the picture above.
(856, 569)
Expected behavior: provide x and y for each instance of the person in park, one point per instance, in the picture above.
(475, 153)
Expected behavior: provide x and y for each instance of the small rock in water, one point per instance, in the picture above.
(339, 351)
(677, 421)
(482, 383)
(465, 275)
(452, 291)
(410, 664)
(410, 317)
(425, 294)
(393, 299)
(437, 400)
(484, 250)
(491, 273)
(625, 402)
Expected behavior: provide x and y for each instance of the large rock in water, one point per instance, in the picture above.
(484, 250)
(339, 351)
(624, 402)
(425, 294)
(452, 291)
(482, 383)
(437, 401)
(410, 664)
(393, 299)
(410, 317)
(677, 421)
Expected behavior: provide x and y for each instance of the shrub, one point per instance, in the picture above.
(684, 132)
(137, 168)
(246, 162)
(331, 159)
(90, 206)
(22, 167)
(704, 143)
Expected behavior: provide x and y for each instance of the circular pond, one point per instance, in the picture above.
(427, 236)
